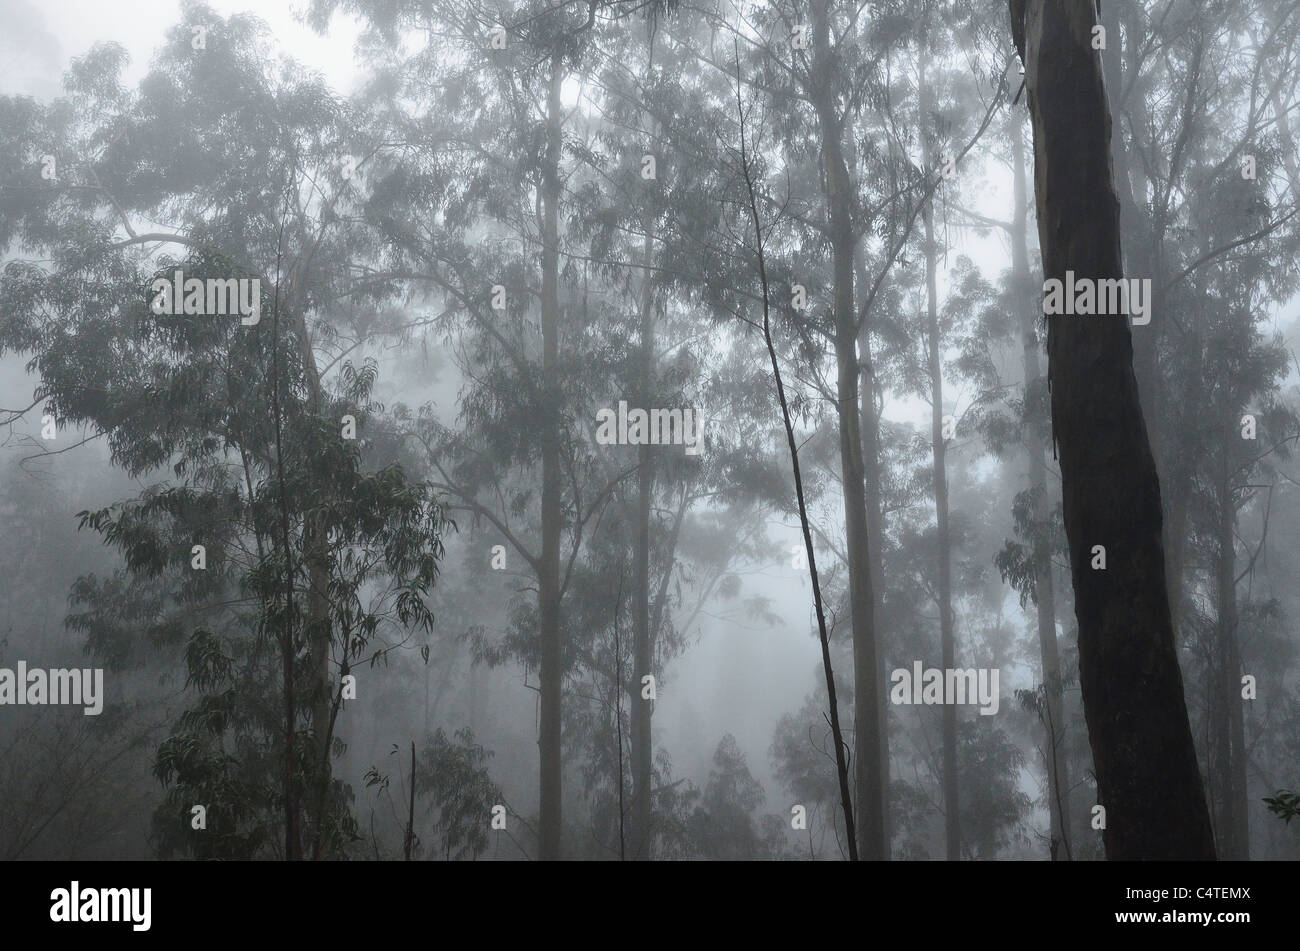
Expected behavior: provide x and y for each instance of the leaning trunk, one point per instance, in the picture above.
(1147, 775)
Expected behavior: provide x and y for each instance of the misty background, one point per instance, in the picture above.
(383, 167)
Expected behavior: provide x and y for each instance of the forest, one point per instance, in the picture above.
(650, 430)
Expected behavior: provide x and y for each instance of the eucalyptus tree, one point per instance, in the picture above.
(188, 304)
(947, 109)
(635, 190)
(1147, 775)
(497, 167)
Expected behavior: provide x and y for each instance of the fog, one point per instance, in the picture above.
(380, 564)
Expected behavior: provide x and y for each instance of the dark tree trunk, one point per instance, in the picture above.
(837, 735)
(1146, 767)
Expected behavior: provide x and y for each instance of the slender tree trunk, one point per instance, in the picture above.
(1239, 764)
(292, 814)
(870, 426)
(551, 672)
(643, 648)
(1147, 774)
(618, 720)
(319, 627)
(1057, 752)
(839, 202)
(947, 641)
(410, 815)
(837, 735)
(319, 636)
(948, 647)
(867, 720)
(1230, 758)
(643, 633)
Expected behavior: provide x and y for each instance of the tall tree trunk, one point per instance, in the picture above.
(319, 635)
(1056, 749)
(839, 203)
(318, 627)
(947, 642)
(837, 735)
(642, 636)
(869, 423)
(947, 638)
(870, 426)
(288, 645)
(1238, 764)
(1147, 774)
(319, 623)
(551, 672)
(1230, 754)
(643, 631)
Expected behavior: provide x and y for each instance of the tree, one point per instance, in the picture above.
(1147, 775)
(1028, 565)
(841, 761)
(724, 823)
(273, 538)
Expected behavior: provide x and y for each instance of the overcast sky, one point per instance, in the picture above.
(39, 39)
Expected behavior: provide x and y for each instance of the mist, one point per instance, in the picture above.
(667, 431)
